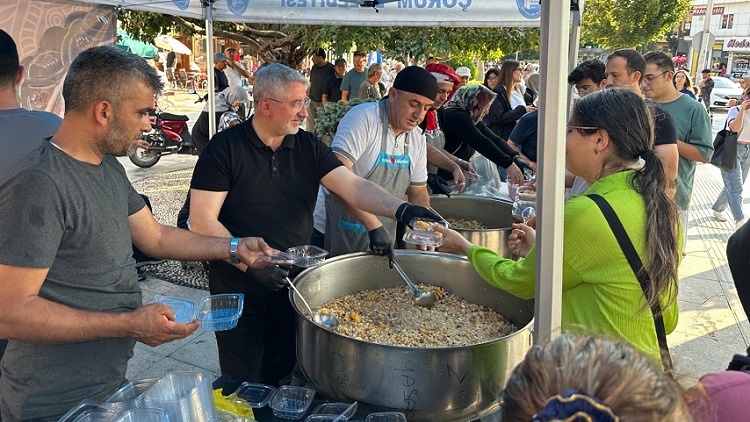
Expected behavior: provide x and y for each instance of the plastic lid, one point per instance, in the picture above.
(252, 395)
(423, 238)
(185, 310)
(336, 409)
(281, 258)
(307, 251)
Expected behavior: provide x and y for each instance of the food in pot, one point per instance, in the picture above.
(388, 316)
(460, 223)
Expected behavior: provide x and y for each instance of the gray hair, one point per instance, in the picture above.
(374, 68)
(272, 80)
(105, 73)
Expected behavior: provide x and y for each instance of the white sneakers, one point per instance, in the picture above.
(720, 216)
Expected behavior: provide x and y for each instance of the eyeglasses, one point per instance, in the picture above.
(582, 127)
(650, 78)
(492, 78)
(297, 105)
(583, 90)
(518, 69)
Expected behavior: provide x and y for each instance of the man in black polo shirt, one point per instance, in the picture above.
(262, 177)
(332, 85)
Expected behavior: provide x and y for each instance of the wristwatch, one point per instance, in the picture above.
(233, 251)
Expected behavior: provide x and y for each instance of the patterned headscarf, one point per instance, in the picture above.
(472, 98)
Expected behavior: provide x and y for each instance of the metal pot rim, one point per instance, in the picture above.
(402, 252)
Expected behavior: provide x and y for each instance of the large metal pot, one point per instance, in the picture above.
(494, 214)
(428, 384)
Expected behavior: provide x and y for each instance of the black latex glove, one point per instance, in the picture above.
(381, 243)
(437, 184)
(524, 166)
(272, 278)
(406, 212)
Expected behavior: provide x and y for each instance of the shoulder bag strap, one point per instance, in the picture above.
(641, 274)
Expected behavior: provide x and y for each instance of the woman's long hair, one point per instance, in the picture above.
(628, 120)
(506, 76)
(688, 82)
(746, 92)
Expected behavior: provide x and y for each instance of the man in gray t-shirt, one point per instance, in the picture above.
(354, 78)
(71, 304)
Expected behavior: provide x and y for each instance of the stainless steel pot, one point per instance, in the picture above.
(492, 213)
(430, 384)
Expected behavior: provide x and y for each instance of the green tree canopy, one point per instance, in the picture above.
(630, 23)
(289, 44)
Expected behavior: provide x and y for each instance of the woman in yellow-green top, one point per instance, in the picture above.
(607, 134)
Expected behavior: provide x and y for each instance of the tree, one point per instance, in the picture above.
(630, 23)
(289, 44)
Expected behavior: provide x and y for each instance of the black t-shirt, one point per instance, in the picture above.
(462, 137)
(220, 80)
(664, 130)
(269, 194)
(171, 57)
(332, 88)
(318, 77)
(524, 134)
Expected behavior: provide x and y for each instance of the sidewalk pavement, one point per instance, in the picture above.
(712, 325)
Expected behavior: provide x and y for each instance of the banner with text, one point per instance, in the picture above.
(351, 12)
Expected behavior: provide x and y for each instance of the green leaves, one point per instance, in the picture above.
(630, 23)
(329, 116)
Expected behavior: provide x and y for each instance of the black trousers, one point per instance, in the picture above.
(262, 348)
(738, 255)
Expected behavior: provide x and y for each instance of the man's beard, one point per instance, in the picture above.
(114, 142)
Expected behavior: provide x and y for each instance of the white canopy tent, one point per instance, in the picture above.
(555, 36)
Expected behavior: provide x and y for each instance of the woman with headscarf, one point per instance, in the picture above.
(533, 84)
(506, 111)
(229, 99)
(465, 132)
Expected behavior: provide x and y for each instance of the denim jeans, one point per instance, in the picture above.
(733, 182)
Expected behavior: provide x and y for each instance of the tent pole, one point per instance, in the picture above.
(552, 112)
(207, 5)
(575, 40)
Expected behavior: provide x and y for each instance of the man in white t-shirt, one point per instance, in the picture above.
(380, 142)
(235, 72)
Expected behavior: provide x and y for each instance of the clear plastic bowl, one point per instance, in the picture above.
(335, 409)
(185, 310)
(321, 418)
(423, 238)
(386, 417)
(89, 411)
(291, 402)
(307, 256)
(281, 258)
(425, 225)
(185, 396)
(129, 396)
(472, 177)
(221, 312)
(454, 188)
(252, 395)
(143, 415)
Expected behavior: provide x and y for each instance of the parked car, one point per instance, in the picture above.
(724, 90)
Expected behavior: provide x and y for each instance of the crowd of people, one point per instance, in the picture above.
(72, 308)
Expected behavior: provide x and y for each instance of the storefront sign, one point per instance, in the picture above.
(737, 44)
(698, 11)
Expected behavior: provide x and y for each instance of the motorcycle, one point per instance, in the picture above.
(169, 135)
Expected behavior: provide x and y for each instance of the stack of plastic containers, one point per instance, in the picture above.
(185, 396)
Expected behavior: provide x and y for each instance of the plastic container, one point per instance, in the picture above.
(321, 418)
(281, 258)
(386, 417)
(454, 188)
(220, 312)
(89, 411)
(291, 402)
(142, 415)
(425, 225)
(129, 396)
(185, 310)
(423, 238)
(307, 256)
(472, 177)
(252, 395)
(185, 396)
(335, 409)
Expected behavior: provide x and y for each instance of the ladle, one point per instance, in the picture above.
(527, 214)
(421, 298)
(320, 318)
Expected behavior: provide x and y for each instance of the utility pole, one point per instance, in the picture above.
(703, 60)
